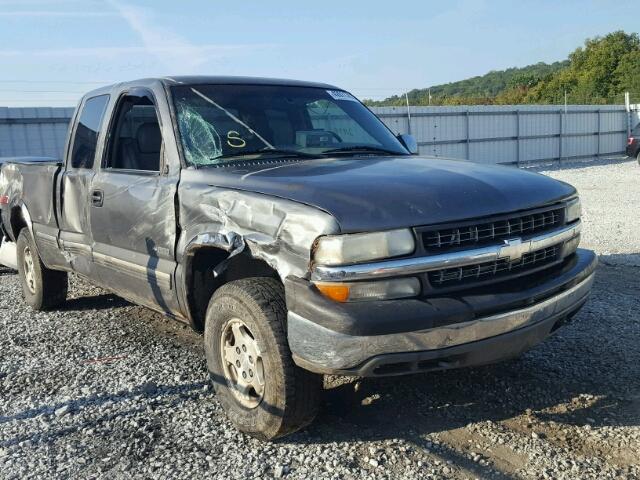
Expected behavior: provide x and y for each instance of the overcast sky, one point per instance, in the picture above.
(51, 51)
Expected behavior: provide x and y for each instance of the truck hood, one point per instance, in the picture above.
(379, 193)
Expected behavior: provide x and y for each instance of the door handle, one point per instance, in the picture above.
(97, 198)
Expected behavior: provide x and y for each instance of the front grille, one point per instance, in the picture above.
(471, 234)
(489, 270)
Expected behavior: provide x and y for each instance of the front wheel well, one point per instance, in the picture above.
(200, 284)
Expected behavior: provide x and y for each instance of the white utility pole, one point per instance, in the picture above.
(627, 104)
(627, 101)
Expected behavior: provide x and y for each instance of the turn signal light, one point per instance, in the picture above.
(376, 290)
(338, 292)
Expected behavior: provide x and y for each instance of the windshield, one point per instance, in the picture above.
(231, 123)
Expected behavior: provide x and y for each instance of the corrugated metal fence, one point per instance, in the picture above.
(635, 115)
(486, 134)
(512, 134)
(33, 131)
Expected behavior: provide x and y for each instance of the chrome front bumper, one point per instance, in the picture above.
(322, 350)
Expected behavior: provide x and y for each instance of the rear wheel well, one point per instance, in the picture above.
(201, 284)
(18, 222)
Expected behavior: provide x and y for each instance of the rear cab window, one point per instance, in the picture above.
(86, 135)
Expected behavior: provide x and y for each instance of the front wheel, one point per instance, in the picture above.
(260, 388)
(42, 288)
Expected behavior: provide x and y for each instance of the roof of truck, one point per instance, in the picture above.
(211, 79)
(230, 80)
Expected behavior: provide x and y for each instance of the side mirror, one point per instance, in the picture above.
(409, 143)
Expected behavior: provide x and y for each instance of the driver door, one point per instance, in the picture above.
(133, 218)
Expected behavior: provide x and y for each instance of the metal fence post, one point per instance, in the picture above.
(560, 137)
(56, 140)
(518, 137)
(467, 146)
(627, 105)
(599, 130)
(408, 114)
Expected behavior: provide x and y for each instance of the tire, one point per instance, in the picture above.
(42, 288)
(290, 396)
(638, 157)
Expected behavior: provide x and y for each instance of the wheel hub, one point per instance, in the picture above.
(242, 363)
(29, 274)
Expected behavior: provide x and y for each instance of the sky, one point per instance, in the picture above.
(52, 51)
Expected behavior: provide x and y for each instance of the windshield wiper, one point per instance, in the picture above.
(270, 151)
(361, 148)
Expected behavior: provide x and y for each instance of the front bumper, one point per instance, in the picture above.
(405, 336)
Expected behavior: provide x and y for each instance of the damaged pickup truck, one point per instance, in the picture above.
(291, 226)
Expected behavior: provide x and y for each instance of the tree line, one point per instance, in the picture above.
(597, 73)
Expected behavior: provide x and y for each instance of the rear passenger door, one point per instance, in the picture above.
(75, 183)
(133, 221)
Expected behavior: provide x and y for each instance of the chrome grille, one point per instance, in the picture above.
(490, 231)
(488, 270)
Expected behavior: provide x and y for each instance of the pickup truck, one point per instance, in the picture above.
(285, 221)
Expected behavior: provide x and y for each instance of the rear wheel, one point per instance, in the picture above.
(42, 288)
(638, 157)
(260, 388)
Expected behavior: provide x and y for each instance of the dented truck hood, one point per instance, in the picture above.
(379, 193)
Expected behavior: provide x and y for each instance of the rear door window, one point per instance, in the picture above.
(87, 131)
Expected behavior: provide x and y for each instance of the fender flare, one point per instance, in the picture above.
(227, 247)
(215, 240)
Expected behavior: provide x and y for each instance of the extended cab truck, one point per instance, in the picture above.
(284, 220)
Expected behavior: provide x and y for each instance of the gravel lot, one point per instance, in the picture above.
(106, 389)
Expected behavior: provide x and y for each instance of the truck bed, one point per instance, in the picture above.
(29, 174)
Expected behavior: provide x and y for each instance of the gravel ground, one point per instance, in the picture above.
(102, 388)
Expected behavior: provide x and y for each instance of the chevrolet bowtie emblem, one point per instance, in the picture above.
(514, 248)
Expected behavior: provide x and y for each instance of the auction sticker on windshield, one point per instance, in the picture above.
(340, 95)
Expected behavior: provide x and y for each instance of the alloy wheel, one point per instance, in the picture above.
(29, 270)
(242, 363)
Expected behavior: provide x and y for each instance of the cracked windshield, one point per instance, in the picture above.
(231, 123)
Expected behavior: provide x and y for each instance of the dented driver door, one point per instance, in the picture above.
(133, 221)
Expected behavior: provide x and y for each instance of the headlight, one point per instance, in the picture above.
(377, 290)
(574, 210)
(361, 247)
